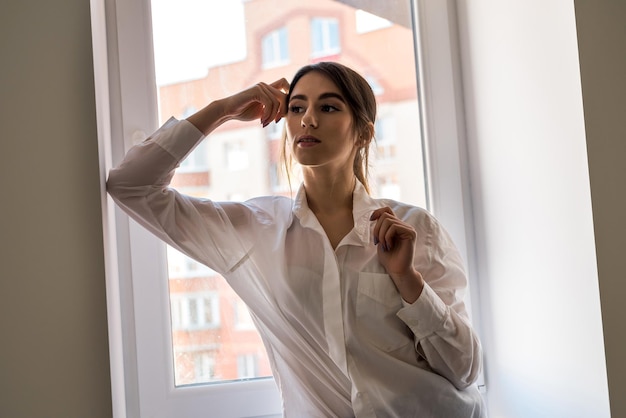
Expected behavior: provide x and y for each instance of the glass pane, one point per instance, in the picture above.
(206, 50)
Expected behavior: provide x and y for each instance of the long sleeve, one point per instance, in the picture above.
(140, 186)
(438, 319)
(272, 253)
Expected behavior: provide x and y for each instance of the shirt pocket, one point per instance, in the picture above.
(377, 304)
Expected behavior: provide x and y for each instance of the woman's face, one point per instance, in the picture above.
(319, 124)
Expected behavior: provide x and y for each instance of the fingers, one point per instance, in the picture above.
(378, 212)
(389, 228)
(282, 85)
(273, 98)
(270, 104)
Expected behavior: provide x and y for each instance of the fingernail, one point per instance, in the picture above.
(375, 240)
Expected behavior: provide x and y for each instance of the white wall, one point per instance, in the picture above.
(532, 203)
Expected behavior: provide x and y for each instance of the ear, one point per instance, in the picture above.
(366, 135)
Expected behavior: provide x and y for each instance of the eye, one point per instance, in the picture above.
(329, 108)
(295, 109)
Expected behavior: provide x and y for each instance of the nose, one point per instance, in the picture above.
(309, 119)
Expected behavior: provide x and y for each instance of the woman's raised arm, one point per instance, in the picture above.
(140, 184)
(262, 101)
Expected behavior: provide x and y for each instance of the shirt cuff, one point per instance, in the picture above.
(177, 137)
(426, 315)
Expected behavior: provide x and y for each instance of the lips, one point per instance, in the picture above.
(307, 139)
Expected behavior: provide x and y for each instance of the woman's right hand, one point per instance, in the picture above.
(266, 102)
(262, 101)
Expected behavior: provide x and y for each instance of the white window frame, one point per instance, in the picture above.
(271, 48)
(327, 49)
(248, 361)
(182, 318)
(243, 319)
(196, 161)
(126, 104)
(207, 359)
(386, 137)
(236, 156)
(183, 267)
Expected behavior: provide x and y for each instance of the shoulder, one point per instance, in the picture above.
(275, 206)
(263, 211)
(281, 202)
(420, 218)
(405, 210)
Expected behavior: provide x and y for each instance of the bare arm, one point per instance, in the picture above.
(262, 101)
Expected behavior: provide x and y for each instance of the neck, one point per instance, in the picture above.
(329, 193)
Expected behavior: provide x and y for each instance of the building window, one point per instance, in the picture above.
(275, 48)
(195, 366)
(236, 156)
(375, 85)
(182, 267)
(324, 37)
(388, 186)
(204, 367)
(386, 138)
(243, 320)
(247, 366)
(195, 311)
(275, 130)
(196, 161)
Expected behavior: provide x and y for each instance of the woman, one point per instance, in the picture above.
(358, 300)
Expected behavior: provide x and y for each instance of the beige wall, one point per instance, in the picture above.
(601, 42)
(53, 330)
(53, 352)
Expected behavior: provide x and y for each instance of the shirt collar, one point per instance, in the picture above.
(362, 207)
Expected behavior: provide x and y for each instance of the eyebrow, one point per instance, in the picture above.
(321, 97)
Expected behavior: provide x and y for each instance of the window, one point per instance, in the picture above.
(375, 85)
(275, 130)
(324, 37)
(204, 367)
(236, 156)
(195, 366)
(194, 311)
(275, 48)
(386, 139)
(154, 299)
(243, 320)
(182, 267)
(196, 161)
(247, 366)
(389, 187)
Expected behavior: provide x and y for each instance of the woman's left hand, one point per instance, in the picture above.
(396, 248)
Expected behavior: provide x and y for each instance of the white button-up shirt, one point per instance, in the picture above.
(341, 341)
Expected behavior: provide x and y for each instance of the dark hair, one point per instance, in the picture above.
(361, 102)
